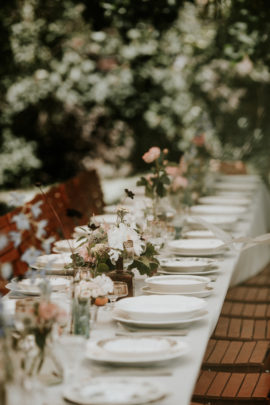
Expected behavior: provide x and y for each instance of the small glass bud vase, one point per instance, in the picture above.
(81, 316)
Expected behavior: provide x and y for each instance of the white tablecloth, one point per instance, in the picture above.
(234, 267)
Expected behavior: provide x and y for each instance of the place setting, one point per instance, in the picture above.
(31, 286)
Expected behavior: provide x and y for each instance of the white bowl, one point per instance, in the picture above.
(159, 308)
(177, 283)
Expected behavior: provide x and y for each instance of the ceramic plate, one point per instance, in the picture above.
(162, 323)
(190, 263)
(114, 391)
(217, 210)
(226, 185)
(199, 234)
(205, 272)
(224, 200)
(157, 308)
(224, 221)
(54, 261)
(197, 247)
(177, 283)
(30, 287)
(240, 178)
(106, 218)
(66, 246)
(82, 230)
(136, 350)
(205, 292)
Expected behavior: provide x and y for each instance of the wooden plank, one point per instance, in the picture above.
(218, 384)
(263, 295)
(259, 353)
(259, 329)
(237, 308)
(245, 352)
(247, 329)
(251, 294)
(233, 385)
(236, 294)
(267, 315)
(232, 352)
(248, 385)
(268, 330)
(263, 386)
(222, 327)
(248, 310)
(226, 309)
(204, 381)
(210, 347)
(219, 351)
(234, 328)
(260, 311)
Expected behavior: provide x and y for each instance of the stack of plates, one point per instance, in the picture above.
(66, 246)
(224, 200)
(225, 222)
(135, 350)
(54, 262)
(240, 178)
(217, 210)
(178, 284)
(199, 235)
(234, 186)
(197, 247)
(31, 287)
(159, 310)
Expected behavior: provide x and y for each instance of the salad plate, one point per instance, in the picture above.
(205, 292)
(66, 246)
(217, 209)
(31, 287)
(230, 186)
(135, 350)
(205, 272)
(114, 391)
(225, 222)
(54, 261)
(199, 234)
(224, 200)
(106, 218)
(177, 283)
(176, 264)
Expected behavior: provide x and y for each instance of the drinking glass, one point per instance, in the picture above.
(120, 289)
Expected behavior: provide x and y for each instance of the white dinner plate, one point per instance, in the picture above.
(205, 272)
(223, 221)
(224, 200)
(177, 283)
(186, 263)
(66, 246)
(205, 292)
(229, 186)
(197, 247)
(30, 287)
(201, 234)
(137, 351)
(240, 178)
(159, 308)
(114, 391)
(55, 261)
(162, 323)
(106, 218)
(217, 210)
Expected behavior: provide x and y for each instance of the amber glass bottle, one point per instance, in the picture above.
(119, 274)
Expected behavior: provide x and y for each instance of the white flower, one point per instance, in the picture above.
(35, 208)
(40, 228)
(3, 241)
(97, 287)
(16, 238)
(30, 255)
(21, 221)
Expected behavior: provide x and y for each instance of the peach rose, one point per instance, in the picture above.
(84, 253)
(151, 155)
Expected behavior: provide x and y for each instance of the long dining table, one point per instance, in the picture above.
(180, 375)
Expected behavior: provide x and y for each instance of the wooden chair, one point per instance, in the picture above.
(224, 388)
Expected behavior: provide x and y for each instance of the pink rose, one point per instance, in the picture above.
(199, 140)
(179, 182)
(48, 311)
(85, 254)
(172, 170)
(151, 155)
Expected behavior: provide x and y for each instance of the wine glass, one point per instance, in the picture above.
(120, 289)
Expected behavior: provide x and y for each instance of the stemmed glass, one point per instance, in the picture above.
(120, 289)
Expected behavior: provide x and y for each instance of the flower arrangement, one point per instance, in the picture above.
(105, 245)
(94, 289)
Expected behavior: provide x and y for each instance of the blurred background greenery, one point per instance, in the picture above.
(96, 83)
